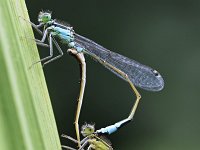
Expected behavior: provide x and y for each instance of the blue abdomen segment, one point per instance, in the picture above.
(78, 47)
(112, 128)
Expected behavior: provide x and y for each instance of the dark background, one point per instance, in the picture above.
(164, 34)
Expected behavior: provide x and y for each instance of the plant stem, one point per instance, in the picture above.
(26, 116)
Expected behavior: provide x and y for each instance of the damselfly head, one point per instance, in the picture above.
(87, 129)
(44, 16)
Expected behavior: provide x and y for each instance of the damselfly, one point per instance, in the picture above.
(92, 139)
(133, 72)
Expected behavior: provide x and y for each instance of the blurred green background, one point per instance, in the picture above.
(164, 34)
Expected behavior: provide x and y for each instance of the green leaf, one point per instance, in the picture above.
(26, 116)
